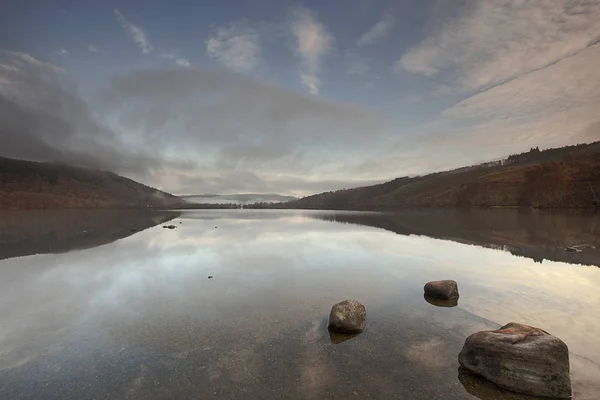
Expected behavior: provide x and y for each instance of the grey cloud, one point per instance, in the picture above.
(490, 42)
(229, 123)
(42, 119)
(242, 134)
(591, 133)
(236, 46)
(377, 31)
(138, 35)
(244, 182)
(236, 116)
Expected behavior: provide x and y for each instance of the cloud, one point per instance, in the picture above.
(550, 107)
(215, 105)
(491, 42)
(313, 42)
(377, 31)
(63, 53)
(229, 123)
(236, 46)
(42, 119)
(250, 182)
(19, 58)
(95, 49)
(182, 62)
(9, 67)
(138, 35)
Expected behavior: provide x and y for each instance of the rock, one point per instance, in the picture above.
(445, 290)
(440, 302)
(347, 317)
(520, 358)
(578, 248)
(171, 227)
(210, 277)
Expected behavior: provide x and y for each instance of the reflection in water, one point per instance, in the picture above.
(137, 318)
(337, 338)
(485, 390)
(440, 302)
(532, 234)
(24, 233)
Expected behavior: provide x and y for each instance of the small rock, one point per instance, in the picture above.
(573, 250)
(582, 246)
(348, 316)
(170, 227)
(519, 358)
(445, 290)
(210, 277)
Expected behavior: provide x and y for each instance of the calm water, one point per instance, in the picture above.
(109, 305)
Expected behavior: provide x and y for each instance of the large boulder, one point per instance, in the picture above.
(349, 316)
(445, 290)
(520, 358)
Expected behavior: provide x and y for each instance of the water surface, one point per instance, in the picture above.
(124, 308)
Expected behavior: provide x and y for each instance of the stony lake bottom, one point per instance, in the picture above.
(111, 305)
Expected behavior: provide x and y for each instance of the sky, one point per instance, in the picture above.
(291, 97)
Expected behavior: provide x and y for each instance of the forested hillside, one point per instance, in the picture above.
(567, 177)
(35, 185)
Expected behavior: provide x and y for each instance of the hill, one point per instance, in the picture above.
(241, 198)
(566, 177)
(36, 185)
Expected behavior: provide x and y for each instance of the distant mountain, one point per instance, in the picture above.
(36, 185)
(243, 198)
(566, 177)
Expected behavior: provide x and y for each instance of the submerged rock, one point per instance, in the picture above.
(445, 290)
(349, 316)
(578, 248)
(573, 250)
(520, 358)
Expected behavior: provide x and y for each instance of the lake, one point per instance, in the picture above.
(111, 305)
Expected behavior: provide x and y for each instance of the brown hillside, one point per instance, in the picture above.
(568, 177)
(34, 185)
